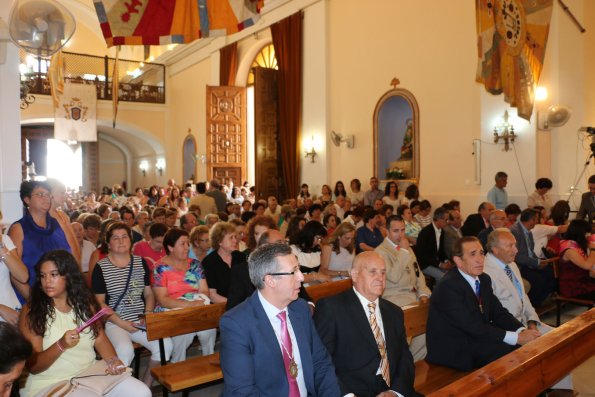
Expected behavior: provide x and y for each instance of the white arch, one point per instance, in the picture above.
(125, 151)
(248, 58)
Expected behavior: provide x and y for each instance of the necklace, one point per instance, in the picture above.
(293, 368)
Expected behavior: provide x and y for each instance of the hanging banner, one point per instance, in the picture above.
(159, 22)
(511, 41)
(76, 116)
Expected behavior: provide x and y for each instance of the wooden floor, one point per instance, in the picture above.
(583, 376)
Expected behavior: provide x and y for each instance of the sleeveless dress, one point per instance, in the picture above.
(574, 281)
(38, 240)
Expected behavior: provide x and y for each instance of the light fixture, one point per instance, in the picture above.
(144, 166)
(540, 93)
(160, 165)
(311, 153)
(504, 131)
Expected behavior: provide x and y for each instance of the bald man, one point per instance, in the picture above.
(365, 335)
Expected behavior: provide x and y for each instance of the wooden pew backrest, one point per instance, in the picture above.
(323, 290)
(183, 321)
(416, 319)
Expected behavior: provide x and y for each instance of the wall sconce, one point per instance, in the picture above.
(504, 131)
(144, 166)
(311, 153)
(160, 165)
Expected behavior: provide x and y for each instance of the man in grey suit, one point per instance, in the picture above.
(405, 283)
(452, 231)
(587, 207)
(537, 272)
(508, 285)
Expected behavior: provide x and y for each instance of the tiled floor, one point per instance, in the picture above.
(583, 376)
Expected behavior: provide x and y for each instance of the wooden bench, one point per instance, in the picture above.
(534, 367)
(193, 371)
(428, 377)
(322, 290)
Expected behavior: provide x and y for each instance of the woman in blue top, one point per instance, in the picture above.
(36, 232)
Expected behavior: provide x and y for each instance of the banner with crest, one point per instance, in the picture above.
(511, 40)
(76, 116)
(158, 22)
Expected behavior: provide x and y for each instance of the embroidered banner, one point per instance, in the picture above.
(158, 22)
(76, 117)
(511, 41)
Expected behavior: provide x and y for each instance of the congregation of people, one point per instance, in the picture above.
(164, 248)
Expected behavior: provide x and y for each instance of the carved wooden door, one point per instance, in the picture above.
(268, 171)
(226, 133)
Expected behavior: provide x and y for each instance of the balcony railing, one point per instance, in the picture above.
(138, 82)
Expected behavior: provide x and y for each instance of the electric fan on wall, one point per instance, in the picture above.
(40, 27)
(556, 116)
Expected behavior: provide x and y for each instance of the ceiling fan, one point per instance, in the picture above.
(337, 138)
(40, 27)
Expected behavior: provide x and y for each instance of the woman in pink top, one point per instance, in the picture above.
(180, 282)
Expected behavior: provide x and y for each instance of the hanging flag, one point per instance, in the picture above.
(56, 77)
(116, 87)
(76, 117)
(158, 22)
(511, 41)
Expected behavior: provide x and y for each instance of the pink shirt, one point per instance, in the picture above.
(144, 250)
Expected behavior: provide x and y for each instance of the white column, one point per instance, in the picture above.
(10, 129)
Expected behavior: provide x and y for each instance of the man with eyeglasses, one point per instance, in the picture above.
(405, 283)
(365, 334)
(269, 345)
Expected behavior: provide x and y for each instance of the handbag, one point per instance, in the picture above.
(94, 379)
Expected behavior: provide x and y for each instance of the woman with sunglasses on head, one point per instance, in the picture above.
(37, 232)
(121, 281)
(60, 303)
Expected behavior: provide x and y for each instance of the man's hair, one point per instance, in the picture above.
(126, 210)
(592, 179)
(394, 218)
(264, 261)
(201, 187)
(157, 229)
(500, 175)
(184, 218)
(141, 213)
(157, 212)
(494, 238)
(482, 206)
(494, 214)
(14, 347)
(215, 184)
(512, 209)
(440, 213)
(528, 214)
(424, 205)
(92, 220)
(457, 248)
(313, 208)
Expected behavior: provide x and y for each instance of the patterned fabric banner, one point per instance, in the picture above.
(76, 117)
(158, 22)
(511, 40)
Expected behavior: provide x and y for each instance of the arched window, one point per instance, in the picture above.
(264, 59)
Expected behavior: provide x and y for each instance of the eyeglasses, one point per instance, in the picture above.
(42, 195)
(296, 270)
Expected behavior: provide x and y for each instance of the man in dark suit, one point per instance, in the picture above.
(497, 220)
(365, 334)
(587, 207)
(467, 325)
(537, 272)
(430, 245)
(475, 223)
(269, 345)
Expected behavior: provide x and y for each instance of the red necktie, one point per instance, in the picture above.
(291, 368)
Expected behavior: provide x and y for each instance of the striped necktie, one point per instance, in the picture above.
(384, 369)
(514, 280)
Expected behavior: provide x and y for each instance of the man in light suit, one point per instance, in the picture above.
(587, 207)
(367, 364)
(405, 283)
(269, 345)
(206, 204)
(508, 286)
(467, 325)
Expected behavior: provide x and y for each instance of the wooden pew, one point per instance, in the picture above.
(322, 290)
(534, 367)
(428, 377)
(193, 371)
